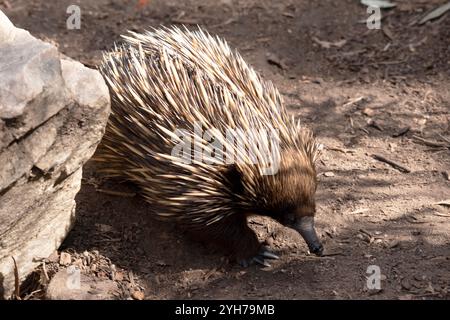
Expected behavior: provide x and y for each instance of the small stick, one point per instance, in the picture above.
(44, 269)
(391, 163)
(430, 294)
(341, 150)
(365, 232)
(441, 214)
(364, 130)
(444, 138)
(353, 101)
(431, 143)
(324, 257)
(331, 254)
(117, 193)
(185, 21)
(28, 296)
(16, 281)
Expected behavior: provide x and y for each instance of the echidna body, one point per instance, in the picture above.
(171, 81)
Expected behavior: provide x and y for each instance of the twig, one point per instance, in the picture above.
(44, 270)
(331, 254)
(16, 281)
(323, 257)
(429, 294)
(393, 62)
(430, 143)
(341, 150)
(359, 211)
(185, 21)
(366, 232)
(353, 101)
(364, 130)
(117, 193)
(391, 163)
(28, 296)
(444, 138)
(441, 214)
(388, 33)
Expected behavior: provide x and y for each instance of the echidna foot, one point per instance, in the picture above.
(260, 258)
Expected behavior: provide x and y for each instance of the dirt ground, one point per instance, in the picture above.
(364, 92)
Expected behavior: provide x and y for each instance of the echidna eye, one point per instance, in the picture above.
(290, 218)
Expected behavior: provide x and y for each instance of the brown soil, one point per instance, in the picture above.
(358, 96)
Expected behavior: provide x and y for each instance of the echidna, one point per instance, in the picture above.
(165, 86)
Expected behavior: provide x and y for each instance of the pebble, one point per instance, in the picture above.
(65, 259)
(138, 295)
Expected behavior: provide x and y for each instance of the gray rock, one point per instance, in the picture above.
(71, 284)
(53, 113)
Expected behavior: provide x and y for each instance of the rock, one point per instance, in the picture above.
(138, 295)
(53, 113)
(406, 284)
(65, 259)
(70, 284)
(368, 112)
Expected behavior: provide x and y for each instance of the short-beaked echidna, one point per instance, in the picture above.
(165, 83)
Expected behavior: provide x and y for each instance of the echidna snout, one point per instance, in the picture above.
(290, 197)
(303, 223)
(305, 226)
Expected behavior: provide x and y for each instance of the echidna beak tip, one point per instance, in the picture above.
(305, 226)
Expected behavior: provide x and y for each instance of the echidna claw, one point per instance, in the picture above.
(260, 258)
(261, 261)
(268, 254)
